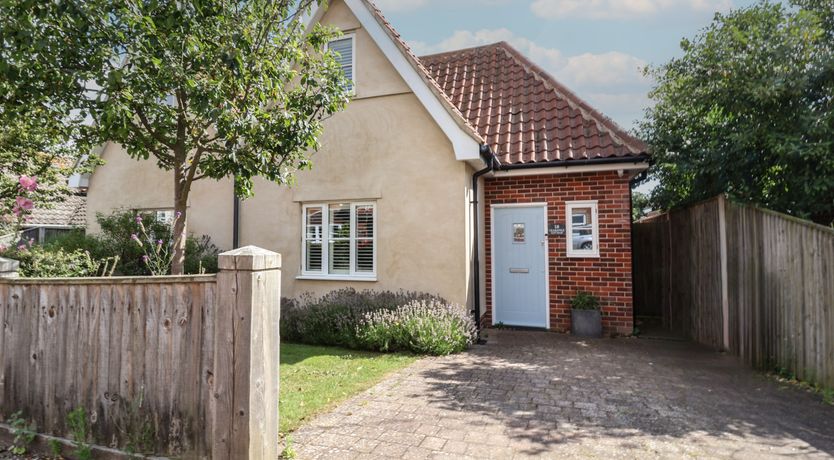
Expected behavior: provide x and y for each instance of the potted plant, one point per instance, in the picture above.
(585, 317)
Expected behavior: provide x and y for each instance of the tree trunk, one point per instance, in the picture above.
(180, 231)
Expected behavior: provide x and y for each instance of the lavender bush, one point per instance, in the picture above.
(333, 318)
(422, 326)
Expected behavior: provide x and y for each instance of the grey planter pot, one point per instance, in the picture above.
(586, 323)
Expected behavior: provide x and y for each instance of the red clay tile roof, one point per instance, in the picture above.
(524, 114)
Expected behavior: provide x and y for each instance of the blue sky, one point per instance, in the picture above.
(596, 47)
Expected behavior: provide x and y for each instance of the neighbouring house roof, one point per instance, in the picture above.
(72, 212)
(523, 113)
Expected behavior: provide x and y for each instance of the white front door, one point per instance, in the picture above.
(519, 266)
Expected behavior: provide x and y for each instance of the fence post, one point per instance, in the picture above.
(725, 289)
(8, 268)
(245, 412)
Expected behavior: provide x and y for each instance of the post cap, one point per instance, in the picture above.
(250, 258)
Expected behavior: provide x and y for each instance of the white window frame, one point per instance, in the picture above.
(322, 274)
(352, 37)
(569, 207)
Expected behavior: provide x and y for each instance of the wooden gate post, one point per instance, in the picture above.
(245, 398)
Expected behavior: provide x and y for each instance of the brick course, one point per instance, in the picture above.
(608, 276)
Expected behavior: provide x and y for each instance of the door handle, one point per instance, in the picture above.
(519, 270)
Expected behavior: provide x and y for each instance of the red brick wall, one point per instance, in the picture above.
(608, 276)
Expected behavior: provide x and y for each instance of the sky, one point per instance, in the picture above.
(597, 48)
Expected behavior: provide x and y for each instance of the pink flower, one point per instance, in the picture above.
(24, 203)
(30, 184)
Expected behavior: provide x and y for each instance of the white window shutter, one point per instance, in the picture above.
(339, 240)
(343, 48)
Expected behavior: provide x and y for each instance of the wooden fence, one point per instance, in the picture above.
(167, 359)
(756, 283)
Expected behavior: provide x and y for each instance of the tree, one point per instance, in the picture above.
(207, 88)
(748, 110)
(640, 205)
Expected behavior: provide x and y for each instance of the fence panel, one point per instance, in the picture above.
(775, 284)
(782, 300)
(135, 353)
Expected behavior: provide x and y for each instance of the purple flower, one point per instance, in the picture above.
(145, 259)
(138, 219)
(159, 242)
(179, 214)
(134, 237)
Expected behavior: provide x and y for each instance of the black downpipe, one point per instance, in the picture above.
(489, 159)
(236, 223)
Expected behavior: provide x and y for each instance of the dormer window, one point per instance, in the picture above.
(344, 49)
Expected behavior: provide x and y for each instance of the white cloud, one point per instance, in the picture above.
(613, 81)
(606, 69)
(621, 9)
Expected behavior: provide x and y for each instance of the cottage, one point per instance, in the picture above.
(472, 174)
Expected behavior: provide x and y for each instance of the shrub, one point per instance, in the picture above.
(200, 255)
(584, 301)
(41, 262)
(77, 239)
(333, 318)
(114, 240)
(422, 326)
(384, 321)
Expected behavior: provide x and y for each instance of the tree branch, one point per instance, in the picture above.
(147, 125)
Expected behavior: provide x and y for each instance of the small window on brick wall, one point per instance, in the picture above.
(583, 229)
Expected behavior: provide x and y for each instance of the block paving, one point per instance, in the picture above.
(547, 395)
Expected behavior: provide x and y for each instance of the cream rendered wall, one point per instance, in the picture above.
(125, 183)
(385, 148)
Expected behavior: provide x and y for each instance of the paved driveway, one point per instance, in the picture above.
(536, 394)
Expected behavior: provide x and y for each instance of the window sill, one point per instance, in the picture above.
(336, 278)
(589, 255)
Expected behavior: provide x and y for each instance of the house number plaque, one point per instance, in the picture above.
(556, 229)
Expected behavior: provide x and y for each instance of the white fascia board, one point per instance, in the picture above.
(639, 165)
(464, 145)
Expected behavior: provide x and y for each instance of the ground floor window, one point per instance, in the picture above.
(583, 228)
(339, 239)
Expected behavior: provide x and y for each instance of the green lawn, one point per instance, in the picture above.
(314, 378)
